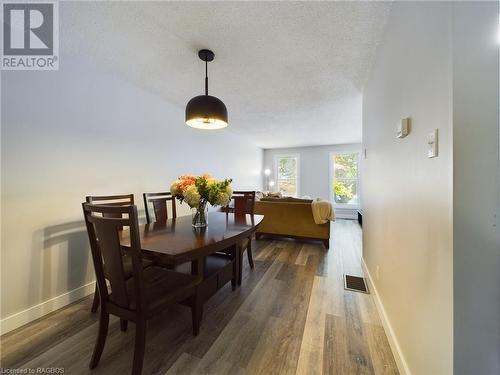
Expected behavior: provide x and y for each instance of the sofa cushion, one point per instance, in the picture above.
(273, 194)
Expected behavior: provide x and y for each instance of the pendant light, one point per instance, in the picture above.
(206, 111)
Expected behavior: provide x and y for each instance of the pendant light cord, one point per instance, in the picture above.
(206, 77)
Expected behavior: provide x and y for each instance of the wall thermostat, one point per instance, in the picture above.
(403, 128)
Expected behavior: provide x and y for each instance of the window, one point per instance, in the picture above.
(345, 185)
(287, 174)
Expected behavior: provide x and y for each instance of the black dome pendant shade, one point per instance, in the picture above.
(205, 111)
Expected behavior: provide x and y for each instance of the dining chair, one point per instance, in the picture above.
(159, 203)
(243, 203)
(137, 298)
(114, 200)
(213, 263)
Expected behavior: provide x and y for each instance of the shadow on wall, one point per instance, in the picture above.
(59, 261)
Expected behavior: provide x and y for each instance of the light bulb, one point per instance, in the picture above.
(267, 171)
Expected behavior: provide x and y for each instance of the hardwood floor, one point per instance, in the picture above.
(290, 316)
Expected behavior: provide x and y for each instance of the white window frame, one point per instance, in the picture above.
(281, 156)
(332, 179)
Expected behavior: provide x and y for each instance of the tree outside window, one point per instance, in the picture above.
(345, 178)
(287, 175)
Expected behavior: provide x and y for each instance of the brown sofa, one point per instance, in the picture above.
(290, 217)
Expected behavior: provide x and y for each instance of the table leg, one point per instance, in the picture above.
(198, 266)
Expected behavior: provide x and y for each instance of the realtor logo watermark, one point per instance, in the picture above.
(30, 35)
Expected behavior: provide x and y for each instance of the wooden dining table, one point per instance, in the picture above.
(176, 241)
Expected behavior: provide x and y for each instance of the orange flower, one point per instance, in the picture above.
(185, 182)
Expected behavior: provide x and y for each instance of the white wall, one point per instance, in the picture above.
(475, 188)
(74, 132)
(407, 198)
(431, 225)
(314, 166)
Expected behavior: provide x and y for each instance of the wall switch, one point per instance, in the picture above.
(403, 128)
(432, 144)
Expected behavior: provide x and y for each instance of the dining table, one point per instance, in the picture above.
(175, 241)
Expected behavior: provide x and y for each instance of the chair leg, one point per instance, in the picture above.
(234, 280)
(140, 346)
(197, 312)
(249, 253)
(101, 338)
(239, 249)
(123, 325)
(95, 302)
(327, 244)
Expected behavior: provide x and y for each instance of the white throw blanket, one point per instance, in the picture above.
(322, 211)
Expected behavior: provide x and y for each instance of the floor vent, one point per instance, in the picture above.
(355, 283)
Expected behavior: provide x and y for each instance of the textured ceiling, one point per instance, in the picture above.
(290, 73)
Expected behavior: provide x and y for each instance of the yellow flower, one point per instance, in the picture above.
(222, 199)
(191, 196)
(174, 188)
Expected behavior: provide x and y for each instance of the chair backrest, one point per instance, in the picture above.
(104, 223)
(159, 202)
(111, 200)
(244, 202)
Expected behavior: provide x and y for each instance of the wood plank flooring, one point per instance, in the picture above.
(290, 316)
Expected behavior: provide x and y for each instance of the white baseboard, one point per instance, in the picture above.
(346, 213)
(23, 317)
(347, 216)
(391, 336)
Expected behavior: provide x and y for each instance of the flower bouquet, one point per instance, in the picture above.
(197, 191)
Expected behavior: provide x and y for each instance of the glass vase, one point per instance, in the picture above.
(199, 215)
